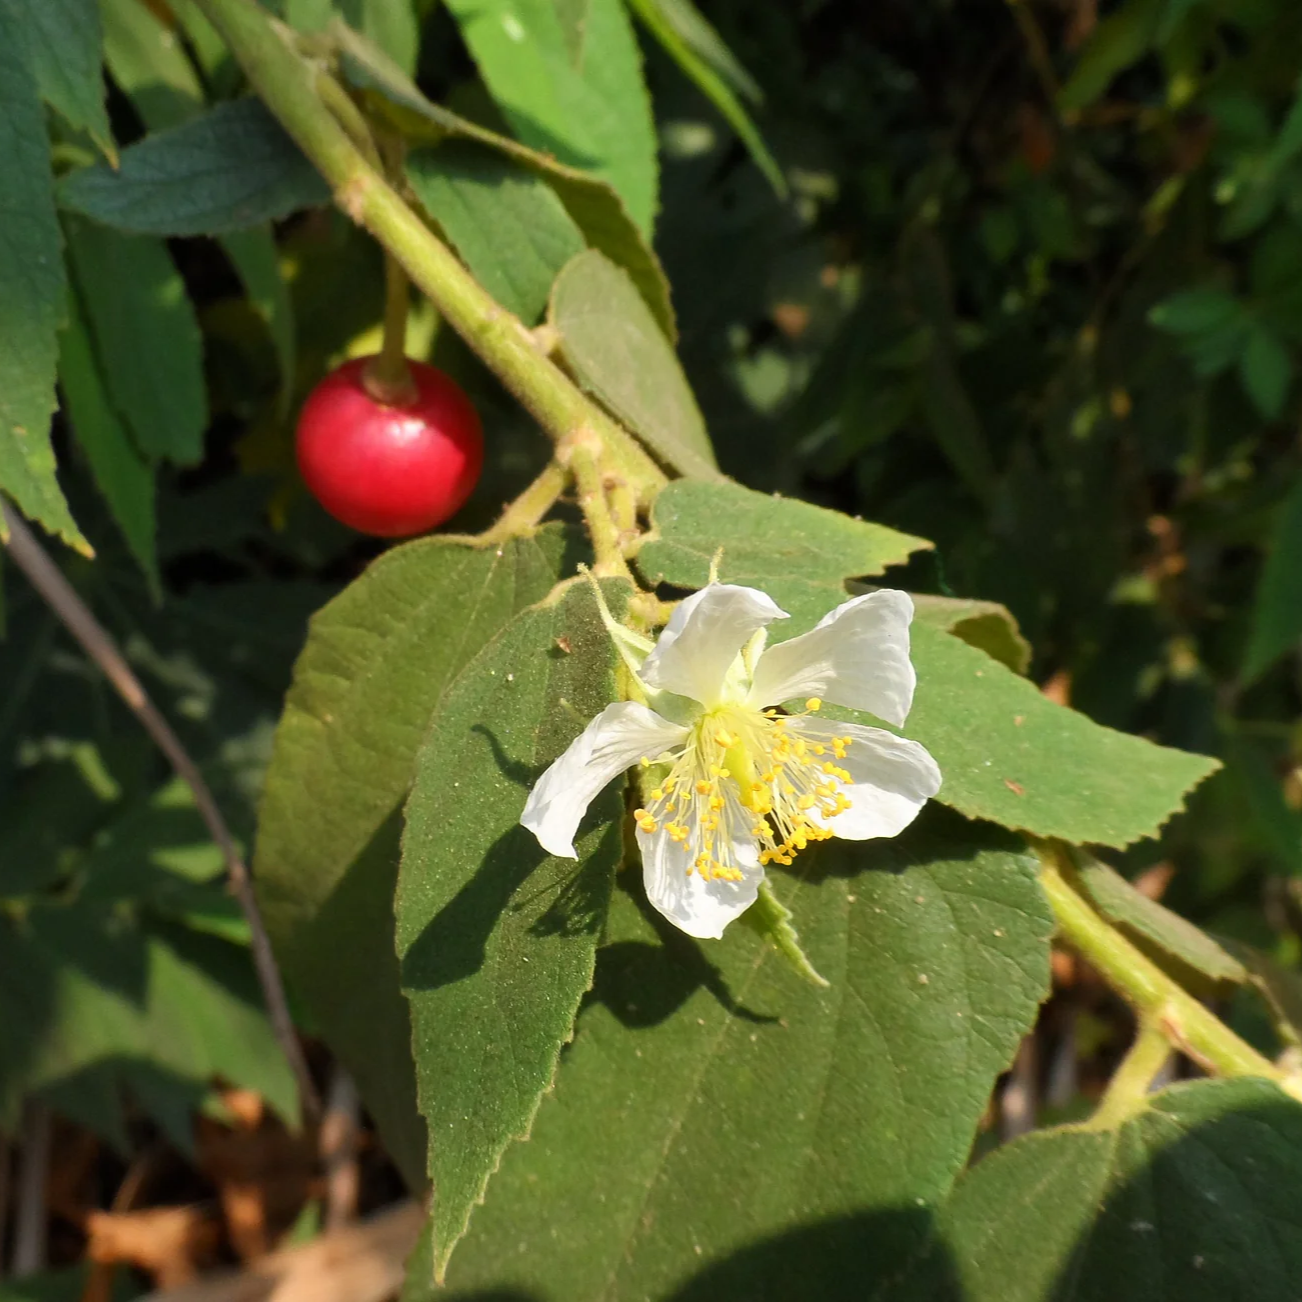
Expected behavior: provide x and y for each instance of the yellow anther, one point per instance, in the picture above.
(725, 738)
(658, 793)
(645, 762)
(814, 703)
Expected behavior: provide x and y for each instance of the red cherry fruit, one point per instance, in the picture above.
(389, 468)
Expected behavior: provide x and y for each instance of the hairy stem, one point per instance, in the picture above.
(581, 453)
(1130, 1083)
(62, 598)
(287, 84)
(1158, 1000)
(526, 512)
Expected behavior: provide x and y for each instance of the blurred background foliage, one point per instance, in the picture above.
(1023, 278)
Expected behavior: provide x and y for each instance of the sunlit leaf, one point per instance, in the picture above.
(718, 1115)
(378, 660)
(506, 222)
(617, 351)
(572, 90)
(496, 938)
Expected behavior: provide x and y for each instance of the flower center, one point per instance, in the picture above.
(745, 778)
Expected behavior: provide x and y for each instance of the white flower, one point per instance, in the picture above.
(734, 782)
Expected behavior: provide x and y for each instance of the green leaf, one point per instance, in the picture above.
(1196, 311)
(1154, 928)
(701, 54)
(1266, 369)
(80, 988)
(1009, 754)
(123, 475)
(767, 541)
(616, 350)
(31, 296)
(146, 337)
(257, 261)
(1277, 609)
(63, 47)
(378, 660)
(391, 24)
(574, 92)
(1120, 40)
(1006, 752)
(594, 204)
(150, 65)
(508, 225)
(1193, 1197)
(986, 625)
(713, 1098)
(497, 939)
(231, 169)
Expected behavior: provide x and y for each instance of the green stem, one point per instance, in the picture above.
(1131, 1081)
(349, 116)
(286, 83)
(524, 514)
(582, 455)
(1158, 1000)
(388, 377)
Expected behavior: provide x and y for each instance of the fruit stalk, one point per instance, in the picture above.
(388, 377)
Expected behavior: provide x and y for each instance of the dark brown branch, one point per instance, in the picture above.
(59, 594)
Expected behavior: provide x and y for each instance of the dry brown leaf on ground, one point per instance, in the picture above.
(168, 1242)
(359, 1263)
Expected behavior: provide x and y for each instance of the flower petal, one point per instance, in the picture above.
(857, 656)
(700, 908)
(617, 738)
(704, 634)
(891, 778)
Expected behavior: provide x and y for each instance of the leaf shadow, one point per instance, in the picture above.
(854, 1257)
(523, 775)
(937, 830)
(454, 943)
(643, 983)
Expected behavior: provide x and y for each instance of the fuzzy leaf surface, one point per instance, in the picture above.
(1006, 752)
(770, 538)
(1193, 1197)
(617, 352)
(377, 661)
(713, 1098)
(508, 225)
(228, 170)
(497, 939)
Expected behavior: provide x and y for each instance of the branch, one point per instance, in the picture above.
(59, 594)
(289, 86)
(33, 1181)
(1133, 1079)
(1157, 999)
